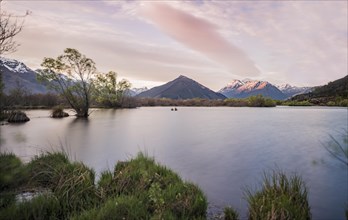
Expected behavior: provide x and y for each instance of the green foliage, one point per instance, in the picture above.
(108, 91)
(230, 214)
(71, 76)
(12, 172)
(260, 101)
(122, 207)
(58, 112)
(136, 189)
(297, 103)
(161, 189)
(2, 104)
(40, 208)
(281, 197)
(255, 101)
(333, 94)
(13, 176)
(71, 183)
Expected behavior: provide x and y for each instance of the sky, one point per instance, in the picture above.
(303, 43)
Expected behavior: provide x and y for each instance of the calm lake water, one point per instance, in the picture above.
(223, 150)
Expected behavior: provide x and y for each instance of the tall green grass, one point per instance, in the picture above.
(281, 197)
(161, 189)
(136, 189)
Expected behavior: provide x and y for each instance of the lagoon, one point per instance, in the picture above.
(222, 149)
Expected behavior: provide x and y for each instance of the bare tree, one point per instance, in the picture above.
(10, 26)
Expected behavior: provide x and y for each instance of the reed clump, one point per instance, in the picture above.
(58, 112)
(281, 197)
(136, 189)
(17, 116)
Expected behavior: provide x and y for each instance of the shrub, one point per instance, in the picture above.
(12, 172)
(280, 198)
(136, 189)
(122, 207)
(344, 103)
(260, 101)
(40, 208)
(163, 190)
(230, 214)
(17, 116)
(71, 183)
(330, 103)
(58, 112)
(44, 169)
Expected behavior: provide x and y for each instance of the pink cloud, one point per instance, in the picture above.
(201, 36)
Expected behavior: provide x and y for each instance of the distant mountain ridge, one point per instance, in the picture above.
(334, 91)
(181, 88)
(135, 91)
(291, 91)
(247, 87)
(16, 74)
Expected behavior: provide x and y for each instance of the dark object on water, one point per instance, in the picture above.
(175, 109)
(59, 114)
(171, 109)
(17, 116)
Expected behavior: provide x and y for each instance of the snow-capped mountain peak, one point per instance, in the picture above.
(14, 65)
(248, 87)
(284, 86)
(139, 90)
(290, 90)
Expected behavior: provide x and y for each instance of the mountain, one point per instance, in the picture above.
(181, 88)
(291, 91)
(135, 91)
(16, 74)
(245, 88)
(335, 91)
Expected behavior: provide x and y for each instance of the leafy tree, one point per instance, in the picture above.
(71, 75)
(108, 91)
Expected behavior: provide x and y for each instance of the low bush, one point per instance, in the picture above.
(136, 189)
(41, 207)
(58, 112)
(281, 197)
(230, 214)
(17, 116)
(163, 190)
(119, 208)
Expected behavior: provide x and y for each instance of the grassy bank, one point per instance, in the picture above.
(61, 189)
(51, 186)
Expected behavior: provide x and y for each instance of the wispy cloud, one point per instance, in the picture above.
(201, 36)
(297, 42)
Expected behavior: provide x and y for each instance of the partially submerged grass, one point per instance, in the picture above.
(17, 116)
(160, 188)
(136, 189)
(281, 197)
(13, 176)
(58, 112)
(230, 214)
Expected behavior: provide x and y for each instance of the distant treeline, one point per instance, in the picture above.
(20, 99)
(333, 94)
